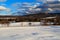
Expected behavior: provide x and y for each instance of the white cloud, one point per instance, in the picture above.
(25, 4)
(27, 7)
(21, 9)
(2, 8)
(8, 10)
(47, 0)
(38, 9)
(50, 9)
(33, 10)
(42, 1)
(52, 0)
(3, 0)
(16, 4)
(58, 0)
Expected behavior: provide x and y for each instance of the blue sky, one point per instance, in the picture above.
(10, 4)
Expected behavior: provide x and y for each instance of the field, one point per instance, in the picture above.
(30, 33)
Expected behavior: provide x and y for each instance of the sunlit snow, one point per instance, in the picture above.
(30, 33)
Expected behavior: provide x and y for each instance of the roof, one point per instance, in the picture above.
(49, 18)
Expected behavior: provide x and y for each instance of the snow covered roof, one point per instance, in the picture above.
(49, 18)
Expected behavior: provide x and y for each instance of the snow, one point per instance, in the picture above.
(16, 31)
(30, 33)
(19, 24)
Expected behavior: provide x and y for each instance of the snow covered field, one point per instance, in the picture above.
(19, 24)
(30, 33)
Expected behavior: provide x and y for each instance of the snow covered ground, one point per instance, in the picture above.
(30, 33)
(19, 24)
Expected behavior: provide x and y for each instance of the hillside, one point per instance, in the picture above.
(30, 17)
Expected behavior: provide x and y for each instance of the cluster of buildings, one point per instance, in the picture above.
(44, 19)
